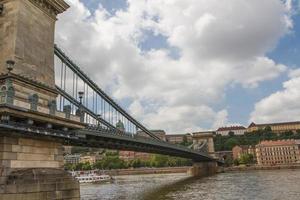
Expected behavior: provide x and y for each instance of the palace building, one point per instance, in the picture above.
(276, 127)
(237, 130)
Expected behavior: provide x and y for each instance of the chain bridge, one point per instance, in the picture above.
(47, 101)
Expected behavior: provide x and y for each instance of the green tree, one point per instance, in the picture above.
(236, 162)
(246, 159)
(70, 166)
(230, 143)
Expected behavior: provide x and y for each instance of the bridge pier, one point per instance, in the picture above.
(201, 169)
(33, 169)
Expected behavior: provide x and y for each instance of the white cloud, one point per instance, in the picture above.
(221, 43)
(282, 105)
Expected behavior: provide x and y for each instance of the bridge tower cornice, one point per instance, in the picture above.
(51, 7)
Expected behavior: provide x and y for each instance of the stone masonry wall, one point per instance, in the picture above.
(27, 36)
(33, 169)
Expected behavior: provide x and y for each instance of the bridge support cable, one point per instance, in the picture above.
(109, 113)
(88, 111)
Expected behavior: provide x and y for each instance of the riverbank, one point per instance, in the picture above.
(139, 171)
(259, 167)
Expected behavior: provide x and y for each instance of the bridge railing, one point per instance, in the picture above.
(79, 91)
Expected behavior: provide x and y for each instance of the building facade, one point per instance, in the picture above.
(161, 134)
(179, 138)
(278, 152)
(237, 130)
(72, 159)
(276, 127)
(239, 150)
(132, 155)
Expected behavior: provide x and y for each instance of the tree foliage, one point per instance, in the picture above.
(226, 143)
(112, 161)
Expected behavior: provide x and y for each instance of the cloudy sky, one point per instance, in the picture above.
(190, 65)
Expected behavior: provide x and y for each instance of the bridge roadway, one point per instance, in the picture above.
(93, 136)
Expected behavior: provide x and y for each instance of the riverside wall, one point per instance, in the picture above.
(138, 171)
(260, 167)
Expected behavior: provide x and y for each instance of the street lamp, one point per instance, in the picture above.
(80, 96)
(10, 65)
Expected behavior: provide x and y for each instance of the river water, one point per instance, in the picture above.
(252, 185)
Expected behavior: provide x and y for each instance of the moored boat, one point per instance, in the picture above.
(91, 177)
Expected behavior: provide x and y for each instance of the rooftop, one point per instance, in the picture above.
(277, 123)
(278, 142)
(231, 128)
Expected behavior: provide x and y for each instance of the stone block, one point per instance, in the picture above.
(11, 189)
(58, 158)
(5, 163)
(35, 157)
(34, 164)
(67, 185)
(8, 140)
(67, 194)
(11, 197)
(6, 147)
(5, 171)
(35, 150)
(37, 143)
(8, 156)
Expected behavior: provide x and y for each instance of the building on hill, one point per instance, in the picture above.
(72, 159)
(237, 130)
(239, 150)
(276, 127)
(278, 152)
(90, 158)
(179, 138)
(161, 134)
(132, 155)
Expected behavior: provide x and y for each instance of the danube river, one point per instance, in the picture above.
(258, 185)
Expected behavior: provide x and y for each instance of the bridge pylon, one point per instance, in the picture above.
(31, 160)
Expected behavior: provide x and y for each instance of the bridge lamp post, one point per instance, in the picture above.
(98, 118)
(80, 96)
(10, 65)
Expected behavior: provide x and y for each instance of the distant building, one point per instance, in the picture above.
(132, 155)
(237, 130)
(278, 152)
(72, 159)
(276, 127)
(90, 158)
(203, 141)
(161, 134)
(67, 150)
(179, 138)
(239, 150)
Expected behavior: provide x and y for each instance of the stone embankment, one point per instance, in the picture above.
(260, 167)
(137, 171)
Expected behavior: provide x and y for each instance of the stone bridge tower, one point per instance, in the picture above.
(203, 141)
(31, 166)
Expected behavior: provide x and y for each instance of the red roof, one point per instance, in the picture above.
(231, 128)
(277, 142)
(272, 124)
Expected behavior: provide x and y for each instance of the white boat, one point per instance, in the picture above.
(94, 178)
